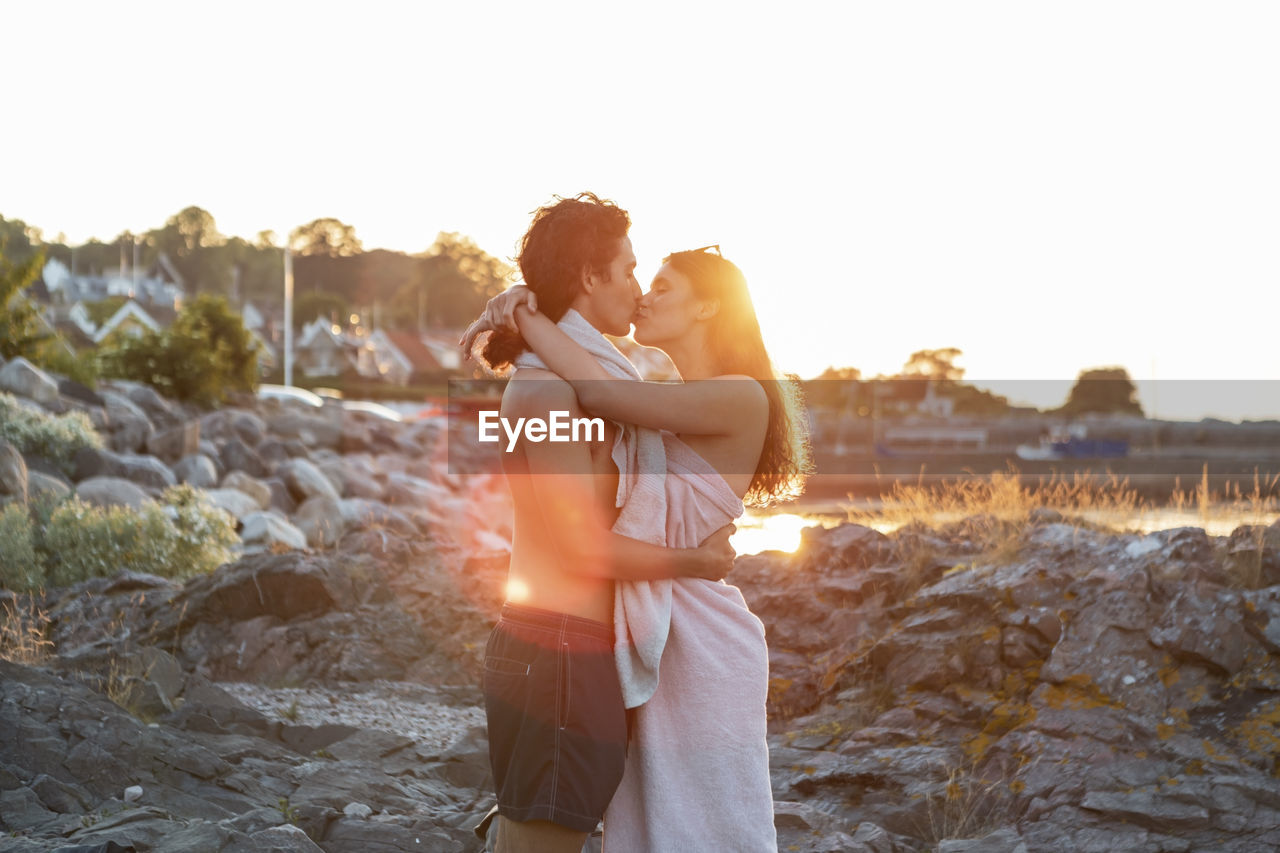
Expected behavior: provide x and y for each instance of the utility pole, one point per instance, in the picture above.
(288, 316)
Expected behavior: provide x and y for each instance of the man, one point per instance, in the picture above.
(557, 725)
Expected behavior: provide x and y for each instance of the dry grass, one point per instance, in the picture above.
(23, 628)
(974, 802)
(996, 509)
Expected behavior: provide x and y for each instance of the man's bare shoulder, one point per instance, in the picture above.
(534, 391)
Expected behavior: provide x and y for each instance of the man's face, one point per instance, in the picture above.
(615, 291)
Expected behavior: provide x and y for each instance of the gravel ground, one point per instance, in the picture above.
(400, 707)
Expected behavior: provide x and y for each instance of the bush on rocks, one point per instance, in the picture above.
(19, 569)
(181, 536)
(55, 437)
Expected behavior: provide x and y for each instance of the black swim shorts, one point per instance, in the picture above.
(557, 725)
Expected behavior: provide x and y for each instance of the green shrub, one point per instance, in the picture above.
(203, 356)
(55, 437)
(20, 568)
(181, 536)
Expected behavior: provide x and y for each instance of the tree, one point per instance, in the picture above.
(326, 236)
(934, 364)
(20, 327)
(457, 278)
(1105, 390)
(309, 306)
(191, 240)
(833, 388)
(205, 354)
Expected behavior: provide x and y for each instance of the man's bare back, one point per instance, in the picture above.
(550, 503)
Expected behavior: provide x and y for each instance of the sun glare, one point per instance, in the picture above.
(775, 532)
(517, 590)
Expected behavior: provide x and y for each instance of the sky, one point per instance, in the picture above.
(1046, 186)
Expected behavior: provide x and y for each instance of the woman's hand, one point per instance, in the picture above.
(715, 555)
(499, 313)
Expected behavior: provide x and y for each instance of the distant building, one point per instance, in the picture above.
(129, 319)
(397, 357)
(321, 350)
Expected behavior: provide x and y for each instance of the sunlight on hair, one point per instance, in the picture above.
(517, 590)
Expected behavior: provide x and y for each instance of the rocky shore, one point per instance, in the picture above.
(983, 686)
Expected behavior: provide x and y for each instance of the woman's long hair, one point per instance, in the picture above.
(737, 347)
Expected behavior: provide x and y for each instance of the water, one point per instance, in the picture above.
(780, 531)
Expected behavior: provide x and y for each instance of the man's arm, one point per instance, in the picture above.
(563, 483)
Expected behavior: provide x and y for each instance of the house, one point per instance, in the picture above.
(443, 344)
(397, 357)
(912, 397)
(129, 319)
(320, 349)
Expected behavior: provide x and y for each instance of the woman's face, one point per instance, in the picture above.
(668, 311)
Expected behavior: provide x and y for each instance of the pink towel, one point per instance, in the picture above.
(697, 772)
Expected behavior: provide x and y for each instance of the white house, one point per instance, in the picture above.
(129, 319)
(320, 350)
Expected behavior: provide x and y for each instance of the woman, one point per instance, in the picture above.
(697, 772)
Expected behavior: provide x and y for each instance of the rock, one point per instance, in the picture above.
(132, 793)
(235, 502)
(13, 474)
(23, 378)
(1253, 555)
(281, 500)
(174, 442)
(197, 470)
(73, 390)
(161, 412)
(248, 427)
(320, 520)
(848, 545)
(274, 452)
(266, 531)
(238, 456)
(146, 471)
(357, 810)
(1207, 630)
(285, 838)
(47, 487)
(130, 426)
(111, 491)
(313, 430)
(304, 480)
(1000, 841)
(251, 486)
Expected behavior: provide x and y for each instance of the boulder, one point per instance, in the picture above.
(48, 487)
(13, 474)
(162, 412)
(235, 502)
(265, 531)
(238, 456)
(111, 491)
(251, 486)
(174, 442)
(304, 480)
(144, 470)
(248, 427)
(313, 430)
(197, 470)
(23, 378)
(320, 520)
(130, 426)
